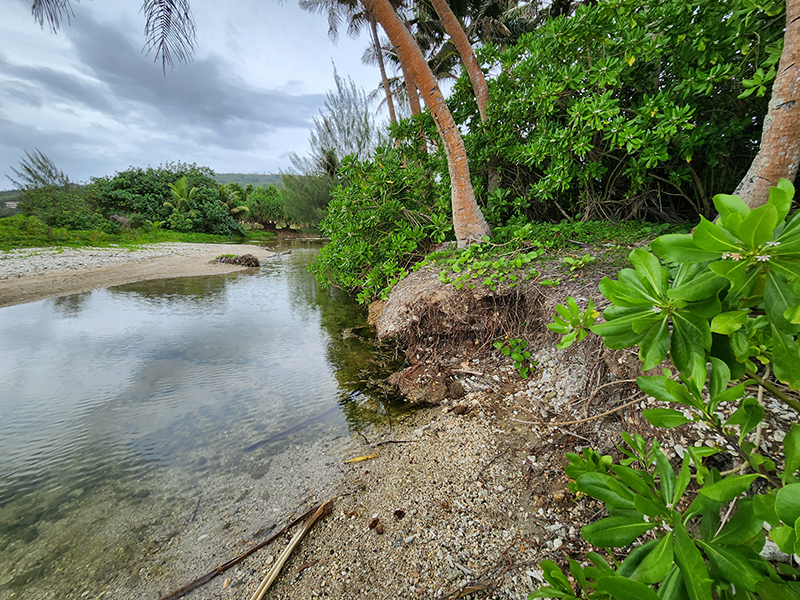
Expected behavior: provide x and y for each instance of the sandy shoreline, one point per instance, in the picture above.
(37, 273)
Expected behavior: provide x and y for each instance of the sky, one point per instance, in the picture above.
(90, 99)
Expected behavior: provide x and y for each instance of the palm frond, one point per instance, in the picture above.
(51, 11)
(169, 30)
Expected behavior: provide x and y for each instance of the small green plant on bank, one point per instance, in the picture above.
(725, 309)
(550, 282)
(516, 350)
(572, 323)
(479, 263)
(575, 264)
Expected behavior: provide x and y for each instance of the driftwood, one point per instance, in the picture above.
(179, 593)
(324, 509)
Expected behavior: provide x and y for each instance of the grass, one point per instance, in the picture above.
(29, 232)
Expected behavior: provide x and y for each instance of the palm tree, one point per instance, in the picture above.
(230, 199)
(182, 197)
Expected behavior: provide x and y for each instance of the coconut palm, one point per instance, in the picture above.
(230, 199)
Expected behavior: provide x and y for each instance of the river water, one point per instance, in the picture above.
(142, 425)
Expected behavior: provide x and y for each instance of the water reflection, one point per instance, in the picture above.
(158, 387)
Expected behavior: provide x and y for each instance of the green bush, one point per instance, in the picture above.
(628, 109)
(725, 309)
(384, 219)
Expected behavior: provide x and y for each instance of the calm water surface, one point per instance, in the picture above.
(163, 377)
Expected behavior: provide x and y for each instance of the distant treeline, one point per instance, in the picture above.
(254, 179)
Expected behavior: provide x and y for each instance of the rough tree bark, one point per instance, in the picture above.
(779, 151)
(465, 51)
(468, 221)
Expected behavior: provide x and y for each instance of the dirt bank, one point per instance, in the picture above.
(38, 273)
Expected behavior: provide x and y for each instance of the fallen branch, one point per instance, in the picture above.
(179, 593)
(608, 412)
(324, 509)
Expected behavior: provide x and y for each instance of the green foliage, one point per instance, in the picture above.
(726, 302)
(22, 231)
(383, 220)
(266, 206)
(629, 108)
(516, 350)
(576, 264)
(306, 197)
(70, 206)
(245, 179)
(572, 323)
(37, 170)
(149, 193)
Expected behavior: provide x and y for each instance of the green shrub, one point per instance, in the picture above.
(384, 219)
(725, 309)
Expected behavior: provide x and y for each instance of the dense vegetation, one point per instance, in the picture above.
(623, 110)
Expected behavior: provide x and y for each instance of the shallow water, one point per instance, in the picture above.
(146, 396)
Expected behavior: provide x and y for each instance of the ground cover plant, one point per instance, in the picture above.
(723, 305)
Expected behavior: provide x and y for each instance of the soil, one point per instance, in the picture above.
(465, 497)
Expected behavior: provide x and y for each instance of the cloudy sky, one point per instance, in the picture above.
(90, 99)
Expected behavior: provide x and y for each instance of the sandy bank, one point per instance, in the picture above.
(38, 273)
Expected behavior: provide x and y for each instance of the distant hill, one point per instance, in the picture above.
(245, 179)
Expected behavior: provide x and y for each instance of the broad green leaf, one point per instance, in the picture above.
(787, 503)
(720, 376)
(709, 236)
(625, 294)
(785, 358)
(648, 269)
(654, 345)
(747, 417)
(785, 537)
(649, 507)
(757, 227)
(635, 558)
(639, 481)
(728, 322)
(706, 284)
(732, 270)
(683, 479)
(680, 248)
(732, 566)
(664, 469)
(743, 525)
(672, 587)
(625, 589)
(687, 347)
(791, 448)
(729, 488)
(657, 563)
(605, 488)
(778, 299)
(692, 565)
(764, 508)
(665, 417)
(732, 210)
(780, 197)
(615, 532)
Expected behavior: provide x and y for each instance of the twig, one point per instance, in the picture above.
(597, 389)
(608, 412)
(324, 509)
(774, 390)
(179, 593)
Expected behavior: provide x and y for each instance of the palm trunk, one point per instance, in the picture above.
(468, 221)
(779, 151)
(465, 51)
(384, 80)
(411, 86)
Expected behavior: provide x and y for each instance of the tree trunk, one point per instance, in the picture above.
(468, 221)
(465, 51)
(779, 151)
(384, 80)
(411, 86)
